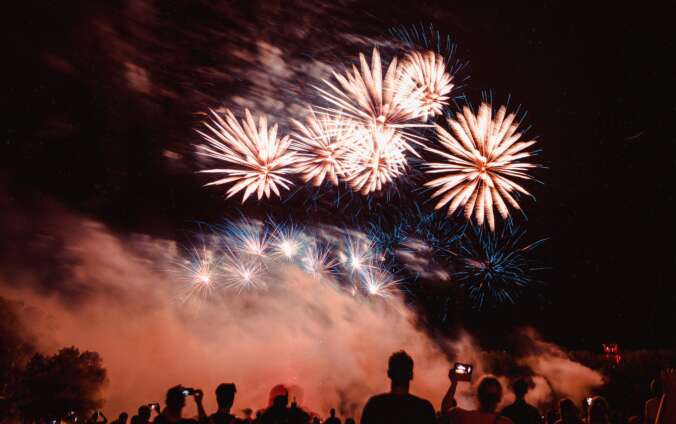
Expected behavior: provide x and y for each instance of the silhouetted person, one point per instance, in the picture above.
(599, 412)
(520, 412)
(225, 397)
(350, 421)
(248, 414)
(398, 406)
(652, 405)
(332, 417)
(568, 412)
(280, 413)
(174, 404)
(552, 416)
(97, 418)
(489, 393)
(122, 419)
(143, 415)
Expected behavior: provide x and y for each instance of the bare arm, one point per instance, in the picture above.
(201, 413)
(449, 399)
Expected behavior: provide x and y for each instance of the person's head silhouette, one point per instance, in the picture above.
(144, 413)
(122, 418)
(225, 395)
(489, 393)
(567, 410)
(279, 396)
(175, 399)
(520, 387)
(599, 410)
(400, 369)
(332, 412)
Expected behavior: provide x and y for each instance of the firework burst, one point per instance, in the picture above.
(319, 262)
(322, 145)
(483, 157)
(375, 161)
(378, 282)
(425, 85)
(368, 96)
(241, 274)
(258, 161)
(495, 268)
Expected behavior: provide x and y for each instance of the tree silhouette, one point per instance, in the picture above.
(15, 352)
(52, 386)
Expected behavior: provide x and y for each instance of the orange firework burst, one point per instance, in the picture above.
(258, 160)
(483, 158)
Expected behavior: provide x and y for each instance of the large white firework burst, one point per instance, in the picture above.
(366, 95)
(258, 160)
(322, 144)
(376, 160)
(424, 84)
(483, 156)
(374, 100)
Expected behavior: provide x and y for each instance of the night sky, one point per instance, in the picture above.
(101, 98)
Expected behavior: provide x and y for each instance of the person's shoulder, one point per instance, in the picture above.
(504, 420)
(422, 402)
(382, 397)
(532, 410)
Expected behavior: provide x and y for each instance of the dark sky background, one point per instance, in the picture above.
(101, 98)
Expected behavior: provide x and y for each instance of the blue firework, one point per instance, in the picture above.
(495, 268)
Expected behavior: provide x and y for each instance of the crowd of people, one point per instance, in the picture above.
(399, 406)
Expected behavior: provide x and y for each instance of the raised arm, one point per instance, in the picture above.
(449, 399)
(201, 414)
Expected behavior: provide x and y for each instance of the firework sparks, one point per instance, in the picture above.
(358, 254)
(367, 96)
(483, 157)
(258, 160)
(321, 146)
(495, 268)
(247, 237)
(376, 161)
(377, 282)
(286, 241)
(425, 85)
(318, 262)
(200, 271)
(241, 274)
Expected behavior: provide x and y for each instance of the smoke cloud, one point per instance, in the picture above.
(116, 295)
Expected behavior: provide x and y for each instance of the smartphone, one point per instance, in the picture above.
(156, 406)
(463, 372)
(188, 392)
(589, 401)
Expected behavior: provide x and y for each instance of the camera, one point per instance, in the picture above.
(463, 372)
(156, 406)
(188, 391)
(589, 400)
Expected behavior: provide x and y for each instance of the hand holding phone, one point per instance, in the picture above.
(461, 372)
